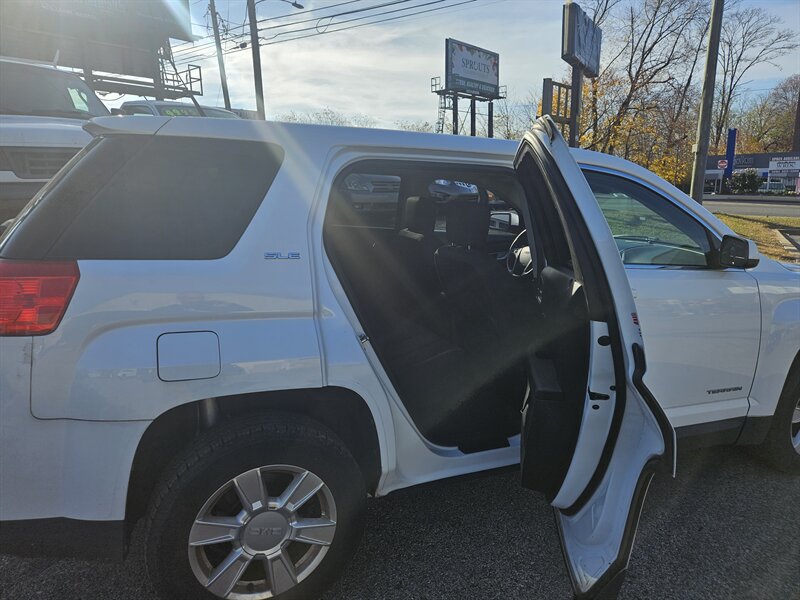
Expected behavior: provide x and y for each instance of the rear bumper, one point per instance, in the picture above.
(71, 538)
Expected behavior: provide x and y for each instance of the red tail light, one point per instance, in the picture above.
(34, 295)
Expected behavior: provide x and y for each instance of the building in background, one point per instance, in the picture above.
(779, 168)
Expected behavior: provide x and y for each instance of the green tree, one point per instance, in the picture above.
(745, 182)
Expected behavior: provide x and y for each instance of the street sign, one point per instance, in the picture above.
(722, 164)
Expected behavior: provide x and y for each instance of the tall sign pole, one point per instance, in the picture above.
(581, 40)
(212, 7)
(700, 148)
(256, 47)
(575, 106)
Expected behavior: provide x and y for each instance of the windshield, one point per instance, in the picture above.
(28, 90)
(191, 111)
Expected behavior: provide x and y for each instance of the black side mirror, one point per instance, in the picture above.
(737, 253)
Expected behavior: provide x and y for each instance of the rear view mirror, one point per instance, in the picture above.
(737, 253)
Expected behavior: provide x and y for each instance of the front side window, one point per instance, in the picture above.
(648, 229)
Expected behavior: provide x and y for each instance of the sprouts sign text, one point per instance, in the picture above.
(471, 70)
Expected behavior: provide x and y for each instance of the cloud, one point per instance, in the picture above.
(384, 70)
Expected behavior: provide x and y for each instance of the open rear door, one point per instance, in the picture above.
(606, 431)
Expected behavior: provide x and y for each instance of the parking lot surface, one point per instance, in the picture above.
(727, 527)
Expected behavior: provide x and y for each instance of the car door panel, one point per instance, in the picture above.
(702, 329)
(622, 434)
(702, 324)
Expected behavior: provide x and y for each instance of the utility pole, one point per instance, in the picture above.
(796, 135)
(212, 6)
(700, 148)
(256, 47)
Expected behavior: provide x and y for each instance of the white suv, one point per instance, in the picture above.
(204, 326)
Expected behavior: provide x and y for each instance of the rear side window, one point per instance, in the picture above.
(159, 197)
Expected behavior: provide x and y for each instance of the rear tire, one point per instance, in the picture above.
(781, 448)
(267, 539)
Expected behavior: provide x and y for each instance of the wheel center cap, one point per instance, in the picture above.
(265, 531)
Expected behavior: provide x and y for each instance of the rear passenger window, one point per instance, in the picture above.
(149, 198)
(367, 200)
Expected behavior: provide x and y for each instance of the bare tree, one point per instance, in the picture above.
(648, 40)
(750, 36)
(418, 126)
(514, 116)
(328, 116)
(766, 122)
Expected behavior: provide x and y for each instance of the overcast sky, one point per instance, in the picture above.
(384, 70)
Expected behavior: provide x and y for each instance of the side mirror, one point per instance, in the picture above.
(737, 253)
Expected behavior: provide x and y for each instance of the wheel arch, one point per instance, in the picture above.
(342, 410)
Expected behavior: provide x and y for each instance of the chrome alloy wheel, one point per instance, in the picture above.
(262, 533)
(794, 430)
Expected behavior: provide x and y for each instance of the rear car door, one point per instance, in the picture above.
(620, 433)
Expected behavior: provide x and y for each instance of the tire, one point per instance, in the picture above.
(778, 448)
(217, 478)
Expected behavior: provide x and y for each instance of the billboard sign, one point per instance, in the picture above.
(471, 70)
(581, 40)
(112, 36)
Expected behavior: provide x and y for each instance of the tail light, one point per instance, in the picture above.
(34, 295)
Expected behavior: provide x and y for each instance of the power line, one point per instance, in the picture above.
(335, 29)
(231, 30)
(318, 19)
(317, 26)
(395, 18)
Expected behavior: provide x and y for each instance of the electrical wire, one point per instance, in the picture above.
(407, 15)
(231, 31)
(395, 18)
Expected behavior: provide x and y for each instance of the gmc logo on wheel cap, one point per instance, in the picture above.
(266, 531)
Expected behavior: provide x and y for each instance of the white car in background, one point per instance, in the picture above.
(203, 326)
(165, 108)
(42, 113)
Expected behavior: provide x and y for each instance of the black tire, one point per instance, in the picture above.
(777, 448)
(225, 452)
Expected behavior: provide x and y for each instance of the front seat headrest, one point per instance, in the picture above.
(419, 215)
(467, 222)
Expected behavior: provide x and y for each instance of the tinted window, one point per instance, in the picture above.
(648, 229)
(27, 90)
(366, 200)
(136, 109)
(137, 197)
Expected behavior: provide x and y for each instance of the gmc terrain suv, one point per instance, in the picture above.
(212, 325)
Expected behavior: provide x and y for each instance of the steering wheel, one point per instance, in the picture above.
(519, 262)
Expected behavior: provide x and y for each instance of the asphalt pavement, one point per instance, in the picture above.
(727, 527)
(763, 209)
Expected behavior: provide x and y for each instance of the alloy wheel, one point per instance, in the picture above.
(262, 533)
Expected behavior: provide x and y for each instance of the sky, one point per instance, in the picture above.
(384, 70)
